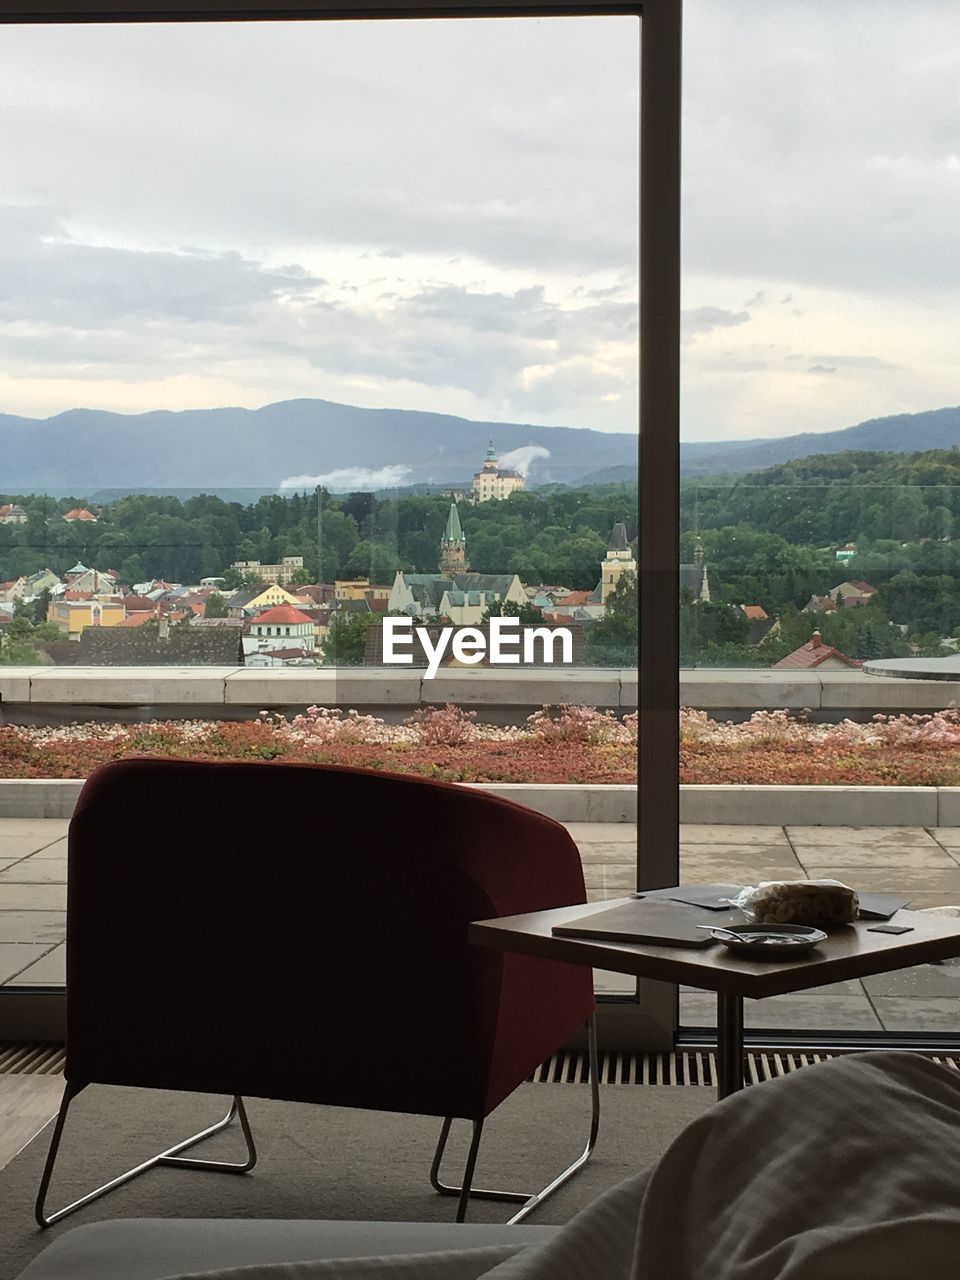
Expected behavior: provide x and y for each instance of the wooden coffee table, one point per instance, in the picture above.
(851, 952)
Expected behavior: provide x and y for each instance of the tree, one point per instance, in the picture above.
(346, 641)
(526, 612)
(612, 642)
(216, 606)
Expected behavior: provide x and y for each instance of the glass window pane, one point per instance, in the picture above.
(820, 468)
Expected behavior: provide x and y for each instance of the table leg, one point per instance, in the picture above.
(729, 1044)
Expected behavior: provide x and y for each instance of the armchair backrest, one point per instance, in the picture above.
(300, 931)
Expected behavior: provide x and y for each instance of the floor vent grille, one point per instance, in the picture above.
(697, 1067)
(22, 1058)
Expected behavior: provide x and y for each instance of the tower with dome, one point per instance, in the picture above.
(493, 482)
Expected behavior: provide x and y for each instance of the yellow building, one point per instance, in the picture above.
(252, 600)
(72, 616)
(618, 561)
(359, 589)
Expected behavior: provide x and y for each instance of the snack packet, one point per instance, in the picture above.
(821, 903)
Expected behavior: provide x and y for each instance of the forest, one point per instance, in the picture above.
(770, 539)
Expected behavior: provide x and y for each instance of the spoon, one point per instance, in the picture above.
(716, 929)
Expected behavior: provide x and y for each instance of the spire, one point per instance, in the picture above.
(491, 451)
(618, 538)
(453, 532)
(453, 545)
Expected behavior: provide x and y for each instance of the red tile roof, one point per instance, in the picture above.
(282, 613)
(813, 654)
(755, 611)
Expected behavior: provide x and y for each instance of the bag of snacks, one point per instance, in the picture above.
(822, 903)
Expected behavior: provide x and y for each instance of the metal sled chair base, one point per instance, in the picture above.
(171, 1157)
(528, 1202)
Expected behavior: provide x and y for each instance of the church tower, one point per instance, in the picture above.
(453, 546)
(618, 561)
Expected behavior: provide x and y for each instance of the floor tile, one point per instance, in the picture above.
(818, 856)
(54, 827)
(721, 833)
(615, 851)
(806, 1011)
(949, 837)
(921, 901)
(900, 879)
(19, 846)
(15, 956)
(33, 871)
(939, 981)
(859, 835)
(41, 897)
(33, 926)
(907, 1013)
(613, 984)
(603, 832)
(56, 850)
(48, 971)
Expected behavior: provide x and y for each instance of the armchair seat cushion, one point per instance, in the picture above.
(155, 1248)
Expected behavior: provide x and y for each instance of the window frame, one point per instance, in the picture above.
(658, 699)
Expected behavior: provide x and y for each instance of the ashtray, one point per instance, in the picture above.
(767, 940)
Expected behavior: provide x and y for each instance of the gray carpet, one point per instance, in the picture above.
(324, 1162)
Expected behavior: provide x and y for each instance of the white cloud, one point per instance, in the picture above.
(523, 459)
(351, 479)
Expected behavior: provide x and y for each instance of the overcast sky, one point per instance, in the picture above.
(443, 216)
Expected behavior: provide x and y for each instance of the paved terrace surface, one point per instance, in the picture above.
(921, 862)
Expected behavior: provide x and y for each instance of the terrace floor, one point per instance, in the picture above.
(921, 862)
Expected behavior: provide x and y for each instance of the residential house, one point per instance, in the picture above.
(815, 654)
(848, 595)
(250, 601)
(80, 514)
(83, 581)
(12, 513)
(282, 628)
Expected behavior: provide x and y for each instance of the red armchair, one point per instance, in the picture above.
(267, 929)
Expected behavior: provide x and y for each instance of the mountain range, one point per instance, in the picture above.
(84, 450)
(90, 451)
(901, 433)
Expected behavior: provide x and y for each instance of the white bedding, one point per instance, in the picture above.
(849, 1170)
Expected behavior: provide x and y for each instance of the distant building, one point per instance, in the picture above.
(72, 617)
(761, 624)
(493, 482)
(80, 514)
(453, 545)
(282, 573)
(253, 600)
(12, 513)
(83, 581)
(618, 561)
(358, 589)
(461, 597)
(846, 553)
(848, 595)
(815, 654)
(283, 628)
(694, 578)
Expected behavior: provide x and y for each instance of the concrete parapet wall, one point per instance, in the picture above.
(714, 805)
(28, 694)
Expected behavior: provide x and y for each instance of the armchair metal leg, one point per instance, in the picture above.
(171, 1156)
(528, 1201)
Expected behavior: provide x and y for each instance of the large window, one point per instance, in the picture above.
(820, 466)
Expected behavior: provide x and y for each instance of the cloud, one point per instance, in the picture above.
(351, 479)
(702, 320)
(822, 368)
(523, 459)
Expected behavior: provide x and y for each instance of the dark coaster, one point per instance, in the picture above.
(890, 928)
